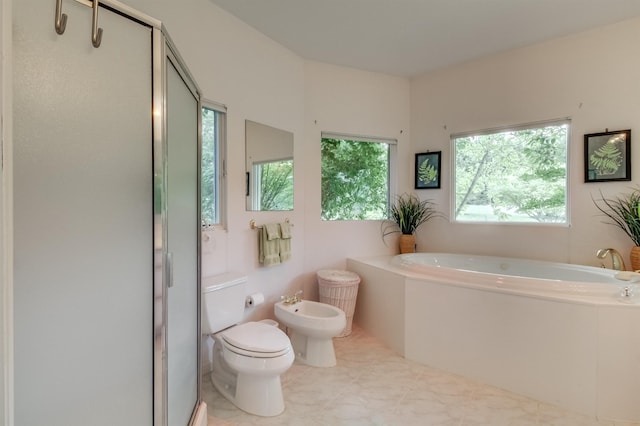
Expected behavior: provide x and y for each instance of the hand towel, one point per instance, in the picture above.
(268, 250)
(273, 230)
(285, 241)
(285, 230)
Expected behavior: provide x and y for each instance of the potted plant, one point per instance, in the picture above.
(406, 215)
(623, 211)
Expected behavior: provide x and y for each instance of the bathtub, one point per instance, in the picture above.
(561, 334)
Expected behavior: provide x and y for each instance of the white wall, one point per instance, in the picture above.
(259, 80)
(591, 77)
(344, 100)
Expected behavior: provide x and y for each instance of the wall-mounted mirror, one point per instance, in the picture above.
(269, 167)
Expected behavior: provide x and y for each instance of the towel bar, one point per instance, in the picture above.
(252, 224)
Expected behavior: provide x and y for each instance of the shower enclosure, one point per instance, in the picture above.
(106, 219)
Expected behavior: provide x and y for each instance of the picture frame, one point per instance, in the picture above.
(427, 170)
(607, 156)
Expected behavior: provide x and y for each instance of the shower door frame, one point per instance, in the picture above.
(6, 215)
(164, 50)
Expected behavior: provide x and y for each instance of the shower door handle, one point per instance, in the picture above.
(169, 269)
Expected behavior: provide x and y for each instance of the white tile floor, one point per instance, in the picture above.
(371, 385)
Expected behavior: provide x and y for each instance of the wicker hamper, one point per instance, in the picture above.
(339, 288)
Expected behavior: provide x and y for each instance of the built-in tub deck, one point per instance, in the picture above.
(565, 336)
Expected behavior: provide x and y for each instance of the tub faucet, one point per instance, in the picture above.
(616, 258)
(292, 300)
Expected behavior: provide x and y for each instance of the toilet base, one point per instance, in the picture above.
(260, 396)
(257, 394)
(313, 351)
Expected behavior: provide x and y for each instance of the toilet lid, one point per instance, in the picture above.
(257, 337)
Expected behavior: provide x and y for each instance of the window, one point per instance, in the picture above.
(213, 171)
(272, 185)
(356, 177)
(515, 175)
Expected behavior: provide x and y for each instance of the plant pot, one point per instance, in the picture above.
(408, 244)
(635, 258)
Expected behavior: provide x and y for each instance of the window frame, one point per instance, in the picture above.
(220, 178)
(525, 126)
(392, 166)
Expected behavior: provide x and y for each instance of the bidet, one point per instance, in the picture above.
(312, 326)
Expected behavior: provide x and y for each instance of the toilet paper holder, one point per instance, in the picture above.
(254, 300)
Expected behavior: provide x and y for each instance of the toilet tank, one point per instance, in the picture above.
(223, 298)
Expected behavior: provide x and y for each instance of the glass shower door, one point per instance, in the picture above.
(104, 188)
(83, 219)
(183, 295)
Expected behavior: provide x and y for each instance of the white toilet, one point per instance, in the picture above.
(248, 358)
(312, 326)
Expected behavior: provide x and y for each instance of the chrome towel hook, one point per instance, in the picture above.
(61, 18)
(96, 33)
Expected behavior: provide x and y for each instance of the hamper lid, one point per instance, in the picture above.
(338, 276)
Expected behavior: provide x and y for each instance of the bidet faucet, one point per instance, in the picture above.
(616, 258)
(291, 300)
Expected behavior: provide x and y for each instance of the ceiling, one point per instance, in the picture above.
(411, 37)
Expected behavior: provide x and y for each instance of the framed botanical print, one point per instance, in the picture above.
(607, 156)
(428, 170)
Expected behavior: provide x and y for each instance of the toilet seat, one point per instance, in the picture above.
(256, 340)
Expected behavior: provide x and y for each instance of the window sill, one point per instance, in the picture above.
(217, 227)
